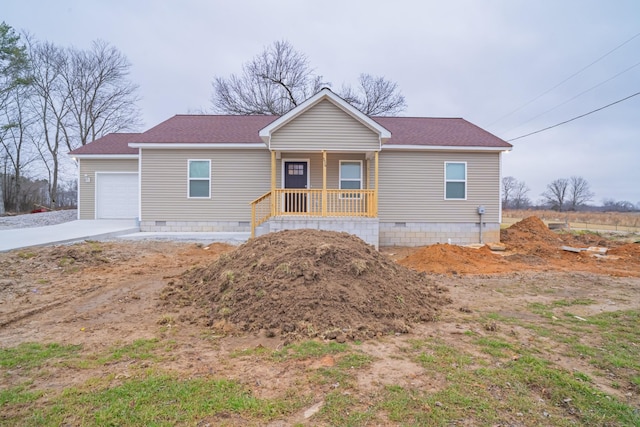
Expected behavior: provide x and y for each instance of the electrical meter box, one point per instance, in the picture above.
(481, 210)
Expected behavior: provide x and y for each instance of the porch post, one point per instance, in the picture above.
(368, 182)
(375, 181)
(273, 183)
(324, 183)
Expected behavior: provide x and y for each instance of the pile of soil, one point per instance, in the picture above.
(452, 259)
(629, 251)
(532, 237)
(530, 245)
(308, 283)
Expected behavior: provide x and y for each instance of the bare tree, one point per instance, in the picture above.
(78, 96)
(556, 193)
(101, 98)
(280, 78)
(514, 193)
(508, 187)
(375, 96)
(51, 106)
(273, 82)
(13, 74)
(14, 140)
(612, 205)
(579, 192)
(520, 198)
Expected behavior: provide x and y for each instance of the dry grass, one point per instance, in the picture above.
(610, 221)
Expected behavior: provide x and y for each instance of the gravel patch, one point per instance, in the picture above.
(39, 219)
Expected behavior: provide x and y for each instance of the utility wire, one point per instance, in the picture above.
(574, 118)
(574, 97)
(563, 81)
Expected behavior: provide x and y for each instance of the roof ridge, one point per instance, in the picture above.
(224, 115)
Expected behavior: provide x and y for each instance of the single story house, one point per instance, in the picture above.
(324, 164)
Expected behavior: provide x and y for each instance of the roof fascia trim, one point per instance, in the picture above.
(194, 145)
(401, 147)
(104, 156)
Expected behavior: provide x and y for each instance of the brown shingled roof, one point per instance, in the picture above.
(113, 143)
(427, 131)
(208, 129)
(194, 129)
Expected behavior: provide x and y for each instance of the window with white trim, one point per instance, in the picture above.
(199, 179)
(350, 177)
(455, 180)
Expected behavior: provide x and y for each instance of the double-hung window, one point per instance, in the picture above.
(350, 177)
(199, 179)
(455, 186)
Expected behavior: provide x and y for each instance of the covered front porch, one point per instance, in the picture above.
(327, 190)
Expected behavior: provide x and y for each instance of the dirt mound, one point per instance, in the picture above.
(531, 236)
(530, 246)
(452, 259)
(307, 283)
(629, 251)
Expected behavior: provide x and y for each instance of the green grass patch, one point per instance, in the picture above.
(342, 374)
(162, 401)
(529, 387)
(254, 351)
(309, 349)
(142, 349)
(514, 391)
(442, 358)
(33, 355)
(620, 336)
(547, 310)
(354, 361)
(342, 409)
(494, 347)
(19, 394)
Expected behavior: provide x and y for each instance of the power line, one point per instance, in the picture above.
(574, 97)
(575, 118)
(563, 81)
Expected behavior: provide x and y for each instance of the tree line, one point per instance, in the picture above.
(562, 194)
(54, 99)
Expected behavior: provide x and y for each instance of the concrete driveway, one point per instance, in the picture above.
(66, 232)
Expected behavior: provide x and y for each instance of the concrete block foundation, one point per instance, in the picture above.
(371, 230)
(425, 233)
(195, 226)
(364, 228)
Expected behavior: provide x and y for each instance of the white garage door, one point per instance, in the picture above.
(116, 195)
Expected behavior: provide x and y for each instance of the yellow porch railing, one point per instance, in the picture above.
(260, 211)
(313, 203)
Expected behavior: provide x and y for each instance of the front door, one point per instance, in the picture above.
(295, 177)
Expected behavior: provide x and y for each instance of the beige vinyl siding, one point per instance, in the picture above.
(87, 190)
(238, 176)
(325, 127)
(315, 167)
(412, 187)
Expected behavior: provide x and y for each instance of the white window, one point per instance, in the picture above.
(199, 179)
(350, 177)
(455, 178)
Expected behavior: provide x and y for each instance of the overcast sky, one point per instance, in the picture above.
(484, 61)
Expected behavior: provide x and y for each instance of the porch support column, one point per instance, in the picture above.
(375, 181)
(324, 183)
(273, 183)
(368, 182)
